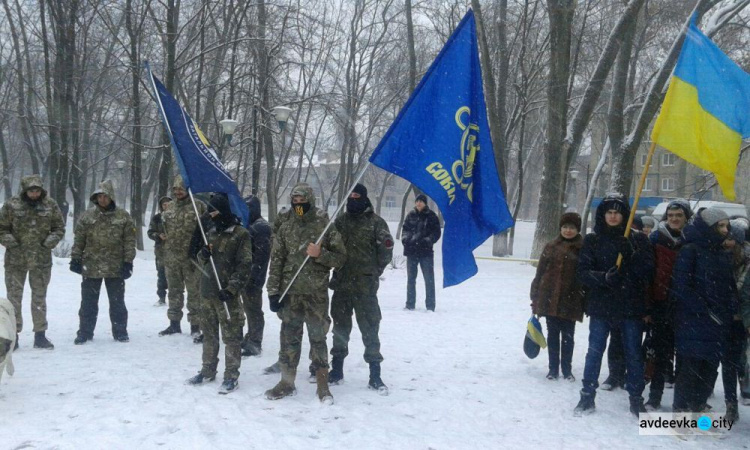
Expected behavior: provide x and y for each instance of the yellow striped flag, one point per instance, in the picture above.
(706, 112)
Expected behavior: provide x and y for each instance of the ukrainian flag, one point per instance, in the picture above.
(706, 112)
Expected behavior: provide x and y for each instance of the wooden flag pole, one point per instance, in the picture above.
(638, 196)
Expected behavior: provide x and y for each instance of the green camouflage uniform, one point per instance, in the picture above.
(232, 253)
(179, 222)
(307, 299)
(369, 249)
(29, 231)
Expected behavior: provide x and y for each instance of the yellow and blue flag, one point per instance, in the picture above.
(199, 165)
(440, 141)
(706, 112)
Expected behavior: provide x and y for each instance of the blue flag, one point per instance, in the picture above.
(440, 141)
(200, 167)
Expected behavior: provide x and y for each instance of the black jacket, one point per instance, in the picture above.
(420, 232)
(260, 236)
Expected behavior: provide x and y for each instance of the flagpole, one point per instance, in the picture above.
(638, 195)
(325, 230)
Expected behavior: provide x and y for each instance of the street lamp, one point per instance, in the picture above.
(228, 125)
(281, 113)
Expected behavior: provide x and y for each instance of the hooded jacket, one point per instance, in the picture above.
(180, 222)
(30, 230)
(260, 237)
(104, 238)
(626, 299)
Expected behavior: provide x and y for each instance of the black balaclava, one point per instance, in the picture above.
(225, 218)
(358, 205)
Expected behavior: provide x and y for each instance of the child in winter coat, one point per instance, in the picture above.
(557, 295)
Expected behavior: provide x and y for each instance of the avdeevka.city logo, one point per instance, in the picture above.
(462, 170)
(704, 423)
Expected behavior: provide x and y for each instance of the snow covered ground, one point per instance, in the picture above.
(458, 378)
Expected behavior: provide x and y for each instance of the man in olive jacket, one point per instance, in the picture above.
(31, 225)
(103, 249)
(369, 249)
(307, 299)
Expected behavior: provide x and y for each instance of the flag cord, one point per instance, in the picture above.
(641, 183)
(325, 230)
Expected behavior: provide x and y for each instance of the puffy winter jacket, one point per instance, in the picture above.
(420, 232)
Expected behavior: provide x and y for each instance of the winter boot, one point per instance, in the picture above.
(229, 385)
(273, 368)
(552, 375)
(313, 378)
(585, 406)
(198, 339)
(40, 341)
(195, 330)
(285, 387)
(376, 383)
(324, 394)
(636, 405)
(654, 401)
(733, 413)
(569, 377)
(173, 328)
(81, 339)
(123, 337)
(611, 383)
(336, 375)
(15, 347)
(250, 349)
(199, 379)
(161, 302)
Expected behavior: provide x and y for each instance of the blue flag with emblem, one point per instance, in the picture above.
(201, 169)
(440, 141)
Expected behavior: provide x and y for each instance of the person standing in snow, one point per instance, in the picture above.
(31, 225)
(158, 234)
(103, 250)
(706, 297)
(260, 236)
(421, 230)
(229, 245)
(306, 301)
(369, 250)
(182, 274)
(557, 295)
(615, 296)
(666, 240)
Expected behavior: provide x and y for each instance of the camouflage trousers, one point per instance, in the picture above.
(297, 311)
(15, 278)
(367, 311)
(252, 300)
(181, 276)
(214, 319)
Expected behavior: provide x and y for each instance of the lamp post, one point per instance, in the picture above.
(121, 188)
(573, 190)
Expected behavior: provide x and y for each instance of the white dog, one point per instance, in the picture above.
(7, 336)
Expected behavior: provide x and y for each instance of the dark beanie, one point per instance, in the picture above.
(638, 223)
(421, 198)
(361, 190)
(572, 219)
(679, 203)
(220, 202)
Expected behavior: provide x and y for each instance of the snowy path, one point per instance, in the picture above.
(458, 379)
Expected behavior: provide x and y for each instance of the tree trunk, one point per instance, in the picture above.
(136, 205)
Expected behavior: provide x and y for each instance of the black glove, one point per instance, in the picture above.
(127, 270)
(613, 276)
(625, 247)
(225, 295)
(205, 252)
(275, 302)
(76, 266)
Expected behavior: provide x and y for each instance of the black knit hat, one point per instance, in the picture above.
(361, 190)
(220, 202)
(572, 219)
(638, 222)
(421, 198)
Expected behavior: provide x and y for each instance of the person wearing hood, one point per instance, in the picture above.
(158, 234)
(306, 300)
(666, 240)
(103, 250)
(706, 301)
(31, 225)
(615, 297)
(369, 250)
(230, 248)
(260, 236)
(180, 221)
(421, 230)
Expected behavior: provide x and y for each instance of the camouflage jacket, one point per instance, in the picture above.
(369, 249)
(156, 228)
(233, 255)
(180, 222)
(30, 230)
(104, 239)
(290, 249)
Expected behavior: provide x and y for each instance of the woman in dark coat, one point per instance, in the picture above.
(557, 295)
(706, 300)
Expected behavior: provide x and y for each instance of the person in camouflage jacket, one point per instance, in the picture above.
(369, 249)
(31, 225)
(180, 222)
(103, 250)
(229, 245)
(158, 234)
(306, 301)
